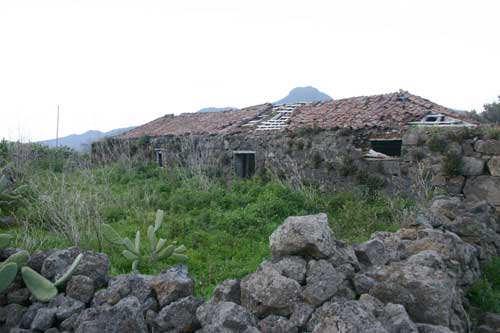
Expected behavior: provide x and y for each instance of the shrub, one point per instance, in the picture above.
(437, 143)
(346, 165)
(485, 293)
(452, 165)
(316, 159)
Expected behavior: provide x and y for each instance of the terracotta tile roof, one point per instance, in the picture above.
(198, 123)
(388, 111)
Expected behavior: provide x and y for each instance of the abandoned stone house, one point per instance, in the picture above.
(325, 143)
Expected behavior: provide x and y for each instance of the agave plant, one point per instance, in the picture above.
(157, 249)
(41, 288)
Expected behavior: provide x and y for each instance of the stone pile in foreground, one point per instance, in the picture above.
(412, 280)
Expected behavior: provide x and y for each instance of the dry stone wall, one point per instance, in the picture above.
(412, 280)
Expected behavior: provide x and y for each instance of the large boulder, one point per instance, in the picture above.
(172, 284)
(179, 316)
(126, 316)
(494, 166)
(460, 257)
(422, 285)
(484, 188)
(225, 317)
(371, 252)
(293, 267)
(344, 317)
(472, 166)
(303, 235)
(268, 292)
(323, 281)
(488, 147)
(93, 265)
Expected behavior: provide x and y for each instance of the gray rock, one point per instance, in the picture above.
(12, 314)
(323, 281)
(428, 294)
(57, 262)
(172, 284)
(303, 235)
(66, 307)
(52, 330)
(268, 292)
(179, 316)
(371, 252)
(483, 188)
(30, 314)
(80, 287)
(494, 166)
(472, 166)
(227, 291)
(363, 283)
(345, 317)
(44, 319)
(95, 266)
(277, 324)
(19, 296)
(126, 316)
(371, 304)
(459, 256)
(225, 317)
(37, 258)
(292, 267)
(488, 147)
(343, 255)
(122, 286)
(301, 314)
(395, 319)
(492, 319)
(427, 328)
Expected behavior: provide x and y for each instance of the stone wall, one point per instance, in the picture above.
(459, 160)
(412, 280)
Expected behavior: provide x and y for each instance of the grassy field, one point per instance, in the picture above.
(225, 227)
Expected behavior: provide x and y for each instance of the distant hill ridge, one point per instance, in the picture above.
(296, 95)
(82, 142)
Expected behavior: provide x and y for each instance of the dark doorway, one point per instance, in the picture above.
(159, 158)
(244, 163)
(387, 147)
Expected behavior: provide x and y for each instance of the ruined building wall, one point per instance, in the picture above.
(456, 160)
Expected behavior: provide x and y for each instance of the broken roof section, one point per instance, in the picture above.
(222, 122)
(391, 111)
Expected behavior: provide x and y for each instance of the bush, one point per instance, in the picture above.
(485, 293)
(452, 165)
(437, 143)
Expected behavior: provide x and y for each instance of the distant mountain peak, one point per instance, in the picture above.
(304, 94)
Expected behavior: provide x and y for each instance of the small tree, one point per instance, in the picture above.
(492, 112)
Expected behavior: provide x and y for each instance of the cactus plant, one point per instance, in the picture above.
(41, 288)
(157, 250)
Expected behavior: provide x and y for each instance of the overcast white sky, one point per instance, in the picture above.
(116, 63)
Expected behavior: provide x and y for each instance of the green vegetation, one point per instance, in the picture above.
(158, 249)
(485, 293)
(437, 143)
(452, 164)
(224, 227)
(41, 288)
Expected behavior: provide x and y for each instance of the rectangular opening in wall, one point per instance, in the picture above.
(159, 158)
(244, 163)
(387, 147)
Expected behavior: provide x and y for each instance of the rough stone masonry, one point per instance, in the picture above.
(412, 280)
